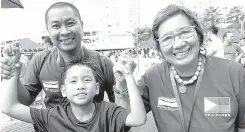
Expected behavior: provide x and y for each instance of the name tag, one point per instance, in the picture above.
(52, 86)
(165, 103)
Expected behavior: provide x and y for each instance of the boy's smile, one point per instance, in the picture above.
(80, 85)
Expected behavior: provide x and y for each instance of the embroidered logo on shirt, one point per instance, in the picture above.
(167, 104)
(51, 86)
(217, 106)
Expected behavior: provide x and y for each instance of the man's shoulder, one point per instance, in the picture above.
(90, 52)
(95, 54)
(42, 54)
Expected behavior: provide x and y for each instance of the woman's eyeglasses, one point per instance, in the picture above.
(184, 33)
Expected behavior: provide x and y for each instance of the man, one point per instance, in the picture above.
(242, 44)
(216, 47)
(65, 28)
(47, 42)
(231, 49)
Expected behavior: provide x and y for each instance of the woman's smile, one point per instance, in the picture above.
(181, 54)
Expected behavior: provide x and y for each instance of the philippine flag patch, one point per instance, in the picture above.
(165, 103)
(217, 105)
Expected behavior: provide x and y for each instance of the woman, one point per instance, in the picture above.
(190, 92)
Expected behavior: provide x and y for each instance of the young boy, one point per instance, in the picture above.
(80, 113)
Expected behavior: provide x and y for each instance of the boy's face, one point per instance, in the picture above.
(80, 85)
(65, 29)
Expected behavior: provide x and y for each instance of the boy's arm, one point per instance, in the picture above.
(7, 71)
(9, 101)
(137, 116)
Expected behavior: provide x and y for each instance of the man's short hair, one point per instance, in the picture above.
(213, 29)
(46, 39)
(62, 5)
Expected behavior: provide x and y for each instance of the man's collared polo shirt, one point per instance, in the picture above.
(49, 78)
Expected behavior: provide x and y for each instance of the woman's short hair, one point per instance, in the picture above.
(170, 11)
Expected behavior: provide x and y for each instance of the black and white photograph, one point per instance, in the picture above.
(122, 66)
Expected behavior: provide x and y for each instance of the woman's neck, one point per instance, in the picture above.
(187, 70)
(84, 112)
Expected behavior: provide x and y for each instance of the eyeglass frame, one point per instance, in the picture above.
(177, 33)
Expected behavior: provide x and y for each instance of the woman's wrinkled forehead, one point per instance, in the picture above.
(173, 24)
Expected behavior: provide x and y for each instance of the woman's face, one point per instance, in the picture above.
(182, 51)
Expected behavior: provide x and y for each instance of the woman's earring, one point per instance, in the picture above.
(203, 50)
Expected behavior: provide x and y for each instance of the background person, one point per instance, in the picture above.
(216, 47)
(231, 49)
(47, 42)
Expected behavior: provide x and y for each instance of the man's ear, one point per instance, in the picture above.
(97, 88)
(63, 90)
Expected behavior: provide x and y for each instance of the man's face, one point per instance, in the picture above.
(80, 85)
(45, 44)
(242, 42)
(229, 38)
(65, 29)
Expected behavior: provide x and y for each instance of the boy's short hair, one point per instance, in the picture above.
(78, 63)
(62, 5)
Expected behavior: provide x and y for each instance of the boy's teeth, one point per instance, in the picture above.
(82, 94)
(67, 40)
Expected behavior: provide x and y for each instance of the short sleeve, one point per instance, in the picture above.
(145, 92)
(117, 118)
(239, 49)
(31, 81)
(110, 80)
(40, 118)
(241, 103)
